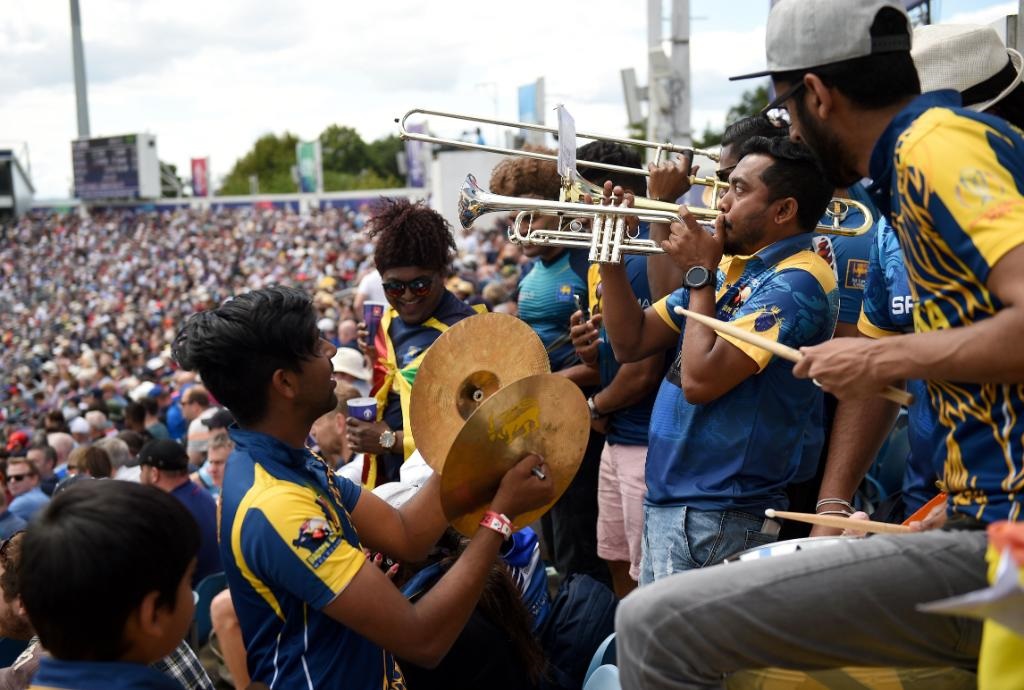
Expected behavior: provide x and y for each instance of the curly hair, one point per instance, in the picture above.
(410, 234)
(522, 176)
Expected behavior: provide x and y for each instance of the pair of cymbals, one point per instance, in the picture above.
(483, 398)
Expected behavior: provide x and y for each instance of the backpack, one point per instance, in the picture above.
(582, 616)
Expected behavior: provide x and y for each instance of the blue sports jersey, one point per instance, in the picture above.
(628, 426)
(848, 257)
(54, 674)
(888, 310)
(289, 548)
(950, 181)
(741, 450)
(546, 302)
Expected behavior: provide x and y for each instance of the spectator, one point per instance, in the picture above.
(196, 408)
(99, 425)
(153, 425)
(211, 475)
(80, 430)
(135, 442)
(93, 462)
(45, 458)
(9, 522)
(165, 465)
(144, 537)
(329, 432)
(350, 367)
(23, 483)
(120, 459)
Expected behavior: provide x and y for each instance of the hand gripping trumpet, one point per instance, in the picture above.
(606, 238)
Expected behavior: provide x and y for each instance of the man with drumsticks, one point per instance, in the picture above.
(949, 179)
(728, 425)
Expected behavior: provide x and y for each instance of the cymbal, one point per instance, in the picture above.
(544, 414)
(466, 365)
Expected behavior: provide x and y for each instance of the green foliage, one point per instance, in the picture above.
(751, 103)
(271, 160)
(170, 182)
(348, 163)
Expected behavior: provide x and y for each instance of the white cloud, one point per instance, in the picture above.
(210, 76)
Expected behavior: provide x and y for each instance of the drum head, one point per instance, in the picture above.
(781, 548)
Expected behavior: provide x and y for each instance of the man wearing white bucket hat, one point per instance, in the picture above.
(949, 179)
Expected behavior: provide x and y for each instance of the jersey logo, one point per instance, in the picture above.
(856, 274)
(564, 293)
(977, 187)
(765, 321)
(317, 537)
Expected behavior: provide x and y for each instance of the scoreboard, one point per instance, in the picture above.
(121, 167)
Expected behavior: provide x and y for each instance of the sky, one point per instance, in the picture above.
(208, 77)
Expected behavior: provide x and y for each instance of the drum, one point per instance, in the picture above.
(781, 548)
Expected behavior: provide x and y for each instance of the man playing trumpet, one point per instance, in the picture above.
(728, 427)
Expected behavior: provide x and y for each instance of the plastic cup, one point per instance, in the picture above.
(373, 312)
(364, 409)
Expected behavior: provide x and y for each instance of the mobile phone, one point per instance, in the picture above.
(579, 306)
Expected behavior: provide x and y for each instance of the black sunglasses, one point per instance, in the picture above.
(780, 99)
(16, 477)
(723, 173)
(417, 286)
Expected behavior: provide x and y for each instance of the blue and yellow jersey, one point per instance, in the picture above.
(740, 451)
(887, 310)
(629, 425)
(289, 548)
(546, 302)
(950, 180)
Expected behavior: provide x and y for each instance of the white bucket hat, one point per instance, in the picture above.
(351, 362)
(961, 56)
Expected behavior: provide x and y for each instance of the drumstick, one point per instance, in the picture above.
(892, 393)
(839, 522)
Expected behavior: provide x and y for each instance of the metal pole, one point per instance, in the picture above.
(654, 22)
(78, 58)
(679, 89)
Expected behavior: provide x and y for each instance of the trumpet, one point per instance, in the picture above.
(607, 239)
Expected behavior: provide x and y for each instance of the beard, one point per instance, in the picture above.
(836, 162)
(743, 240)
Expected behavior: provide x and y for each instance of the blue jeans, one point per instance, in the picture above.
(678, 538)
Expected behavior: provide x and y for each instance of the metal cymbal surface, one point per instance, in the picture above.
(467, 364)
(544, 414)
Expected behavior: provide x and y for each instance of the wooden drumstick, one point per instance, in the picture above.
(837, 522)
(892, 393)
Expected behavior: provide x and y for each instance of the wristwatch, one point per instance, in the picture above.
(387, 439)
(697, 277)
(594, 414)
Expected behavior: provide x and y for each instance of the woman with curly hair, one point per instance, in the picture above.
(414, 249)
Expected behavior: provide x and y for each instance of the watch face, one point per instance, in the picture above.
(697, 277)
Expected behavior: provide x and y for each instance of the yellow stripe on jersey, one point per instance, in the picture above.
(661, 309)
(866, 327)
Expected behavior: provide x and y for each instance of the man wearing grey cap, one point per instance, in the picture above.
(949, 180)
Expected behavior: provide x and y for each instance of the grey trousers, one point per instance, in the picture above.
(847, 605)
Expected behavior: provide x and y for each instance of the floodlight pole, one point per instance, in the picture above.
(78, 59)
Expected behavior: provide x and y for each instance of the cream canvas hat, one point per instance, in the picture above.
(968, 58)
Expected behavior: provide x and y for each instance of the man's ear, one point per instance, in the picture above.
(285, 384)
(785, 211)
(339, 421)
(820, 98)
(146, 617)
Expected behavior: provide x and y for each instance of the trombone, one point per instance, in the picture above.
(607, 240)
(571, 192)
(838, 211)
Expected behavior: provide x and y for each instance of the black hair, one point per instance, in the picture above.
(142, 534)
(150, 405)
(753, 126)
(135, 413)
(795, 173)
(612, 153)
(409, 234)
(875, 81)
(238, 346)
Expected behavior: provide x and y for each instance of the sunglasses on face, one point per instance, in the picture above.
(17, 477)
(723, 173)
(417, 286)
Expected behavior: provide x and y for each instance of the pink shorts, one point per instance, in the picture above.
(620, 504)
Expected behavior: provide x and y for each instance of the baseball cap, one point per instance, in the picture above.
(802, 34)
(164, 454)
(969, 58)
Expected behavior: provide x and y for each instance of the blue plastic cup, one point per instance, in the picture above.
(364, 409)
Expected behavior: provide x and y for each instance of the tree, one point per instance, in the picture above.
(271, 160)
(383, 154)
(171, 184)
(344, 150)
(751, 103)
